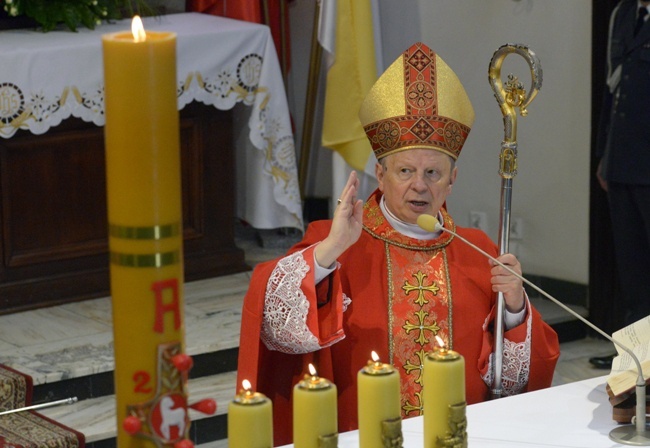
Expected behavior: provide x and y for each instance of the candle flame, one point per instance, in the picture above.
(312, 370)
(374, 356)
(246, 385)
(441, 343)
(137, 28)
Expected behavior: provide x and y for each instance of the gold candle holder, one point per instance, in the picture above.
(377, 368)
(246, 397)
(443, 354)
(313, 382)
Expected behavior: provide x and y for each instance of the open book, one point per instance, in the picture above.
(624, 373)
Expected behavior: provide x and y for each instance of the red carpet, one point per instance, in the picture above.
(29, 429)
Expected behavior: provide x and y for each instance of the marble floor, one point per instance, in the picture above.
(75, 340)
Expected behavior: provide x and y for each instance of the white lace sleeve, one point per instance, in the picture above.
(284, 326)
(516, 362)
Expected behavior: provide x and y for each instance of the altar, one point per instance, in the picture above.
(237, 152)
(576, 415)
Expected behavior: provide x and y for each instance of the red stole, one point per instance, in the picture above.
(419, 298)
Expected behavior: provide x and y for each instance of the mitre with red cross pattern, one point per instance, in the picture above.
(418, 102)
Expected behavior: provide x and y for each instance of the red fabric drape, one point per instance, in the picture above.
(248, 10)
(274, 13)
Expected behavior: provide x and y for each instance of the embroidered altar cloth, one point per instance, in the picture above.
(48, 77)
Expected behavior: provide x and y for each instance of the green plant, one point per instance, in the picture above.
(74, 13)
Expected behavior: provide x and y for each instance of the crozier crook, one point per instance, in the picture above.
(510, 96)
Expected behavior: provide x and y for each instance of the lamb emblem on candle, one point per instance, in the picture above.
(164, 419)
(170, 417)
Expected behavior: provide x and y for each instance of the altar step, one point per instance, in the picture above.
(95, 417)
(212, 318)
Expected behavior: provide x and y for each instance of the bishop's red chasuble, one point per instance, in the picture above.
(391, 294)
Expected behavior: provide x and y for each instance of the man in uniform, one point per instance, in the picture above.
(624, 152)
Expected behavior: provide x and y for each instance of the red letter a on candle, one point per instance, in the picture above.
(162, 308)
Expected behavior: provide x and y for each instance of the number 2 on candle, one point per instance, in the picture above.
(142, 380)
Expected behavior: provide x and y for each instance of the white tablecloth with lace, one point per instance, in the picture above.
(48, 77)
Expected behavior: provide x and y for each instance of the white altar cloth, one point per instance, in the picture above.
(575, 415)
(48, 77)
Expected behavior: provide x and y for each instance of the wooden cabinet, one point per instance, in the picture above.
(53, 225)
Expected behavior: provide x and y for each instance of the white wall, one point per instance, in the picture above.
(551, 190)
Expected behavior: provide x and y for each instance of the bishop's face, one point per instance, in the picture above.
(415, 181)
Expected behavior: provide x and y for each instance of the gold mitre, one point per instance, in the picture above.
(418, 102)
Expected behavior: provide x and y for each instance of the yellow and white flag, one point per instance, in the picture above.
(347, 33)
